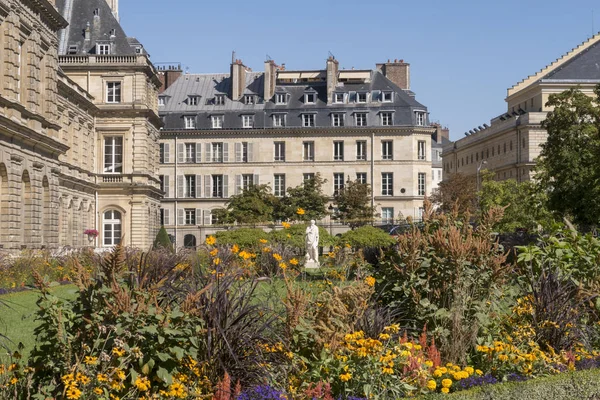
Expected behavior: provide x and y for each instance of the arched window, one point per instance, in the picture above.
(4, 211)
(112, 228)
(46, 210)
(189, 241)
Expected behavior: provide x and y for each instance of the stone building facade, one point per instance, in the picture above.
(78, 127)
(511, 143)
(278, 127)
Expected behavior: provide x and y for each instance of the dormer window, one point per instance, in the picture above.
(248, 121)
(72, 49)
(103, 49)
(387, 97)
(220, 100)
(361, 97)
(249, 99)
(161, 101)
(419, 118)
(280, 98)
(194, 100)
(310, 98)
(337, 119)
(338, 97)
(190, 122)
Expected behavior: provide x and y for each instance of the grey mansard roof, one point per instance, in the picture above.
(207, 86)
(585, 66)
(80, 13)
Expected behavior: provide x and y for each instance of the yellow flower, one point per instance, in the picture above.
(118, 352)
(429, 363)
(264, 241)
(235, 248)
(387, 370)
(469, 370)
(73, 393)
(437, 373)
(446, 383)
(98, 391)
(102, 378)
(142, 383)
(300, 211)
(431, 385)
(370, 281)
(82, 378)
(384, 336)
(479, 372)
(13, 381)
(503, 357)
(293, 261)
(345, 377)
(210, 240)
(214, 252)
(177, 390)
(217, 261)
(286, 225)
(445, 390)
(277, 256)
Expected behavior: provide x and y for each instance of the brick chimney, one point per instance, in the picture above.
(440, 132)
(397, 71)
(270, 80)
(238, 79)
(333, 67)
(167, 75)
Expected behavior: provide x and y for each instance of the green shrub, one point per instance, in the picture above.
(243, 237)
(567, 386)
(367, 237)
(162, 240)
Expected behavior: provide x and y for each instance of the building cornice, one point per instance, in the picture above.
(48, 13)
(36, 140)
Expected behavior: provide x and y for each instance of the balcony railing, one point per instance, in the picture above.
(131, 179)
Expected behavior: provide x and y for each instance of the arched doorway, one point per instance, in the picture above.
(111, 228)
(189, 241)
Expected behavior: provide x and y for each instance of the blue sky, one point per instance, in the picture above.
(463, 54)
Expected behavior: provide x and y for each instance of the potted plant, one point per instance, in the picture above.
(91, 234)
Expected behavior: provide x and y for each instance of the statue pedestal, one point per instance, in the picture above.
(311, 264)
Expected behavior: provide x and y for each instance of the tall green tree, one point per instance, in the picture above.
(254, 205)
(307, 196)
(354, 204)
(458, 191)
(569, 166)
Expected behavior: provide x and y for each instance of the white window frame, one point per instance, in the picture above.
(307, 96)
(190, 121)
(386, 118)
(247, 121)
(216, 151)
(249, 99)
(217, 186)
(247, 180)
(384, 94)
(219, 100)
(279, 120)
(279, 185)
(337, 119)
(280, 98)
(338, 150)
(189, 152)
(279, 151)
(189, 186)
(194, 100)
(189, 216)
(360, 119)
(338, 181)
(113, 92)
(113, 166)
(217, 121)
(103, 49)
(420, 118)
(387, 183)
(161, 101)
(358, 97)
(308, 175)
(387, 150)
(421, 184)
(338, 98)
(360, 176)
(421, 147)
(387, 215)
(308, 120)
(361, 150)
(115, 228)
(308, 151)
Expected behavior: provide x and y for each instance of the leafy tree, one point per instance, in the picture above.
(162, 240)
(568, 166)
(254, 205)
(457, 191)
(307, 196)
(354, 204)
(524, 204)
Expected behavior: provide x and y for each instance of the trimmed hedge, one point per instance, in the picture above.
(565, 386)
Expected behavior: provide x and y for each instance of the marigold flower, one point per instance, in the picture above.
(210, 240)
(370, 281)
(446, 383)
(300, 211)
(445, 390)
(286, 225)
(431, 385)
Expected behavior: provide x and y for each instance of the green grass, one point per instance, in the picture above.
(17, 316)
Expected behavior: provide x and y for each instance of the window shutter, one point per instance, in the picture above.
(166, 185)
(198, 152)
(238, 184)
(256, 179)
(225, 186)
(208, 151)
(238, 152)
(207, 186)
(198, 186)
(250, 152)
(180, 186)
(166, 216)
(198, 216)
(180, 153)
(180, 216)
(225, 152)
(207, 217)
(167, 153)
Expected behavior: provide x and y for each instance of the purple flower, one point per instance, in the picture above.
(516, 377)
(263, 392)
(474, 381)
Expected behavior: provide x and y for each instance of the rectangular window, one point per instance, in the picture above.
(113, 155)
(217, 186)
(190, 122)
(387, 97)
(361, 119)
(190, 153)
(161, 153)
(421, 150)
(361, 149)
(217, 152)
(217, 121)
(310, 98)
(248, 121)
(279, 185)
(220, 100)
(361, 177)
(190, 216)
(338, 151)
(103, 49)
(387, 150)
(113, 92)
(278, 120)
(387, 184)
(337, 119)
(194, 100)
(338, 182)
(249, 99)
(244, 152)
(338, 97)
(307, 176)
(161, 101)
(279, 151)
(162, 182)
(387, 215)
(280, 98)
(361, 97)
(247, 181)
(421, 183)
(308, 120)
(308, 151)
(189, 189)
(386, 119)
(420, 118)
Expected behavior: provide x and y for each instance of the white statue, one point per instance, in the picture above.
(312, 245)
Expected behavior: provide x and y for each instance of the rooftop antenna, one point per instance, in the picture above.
(269, 58)
(330, 54)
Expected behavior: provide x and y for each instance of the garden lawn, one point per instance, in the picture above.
(17, 316)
